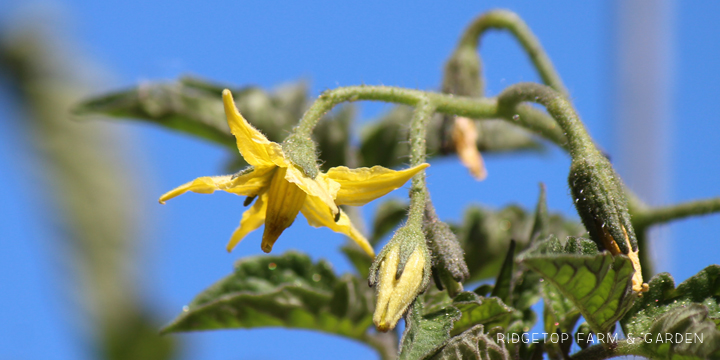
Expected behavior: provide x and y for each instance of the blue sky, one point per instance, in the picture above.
(329, 44)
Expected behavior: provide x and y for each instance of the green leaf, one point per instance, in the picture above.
(693, 335)
(489, 311)
(486, 234)
(472, 344)
(663, 297)
(286, 291)
(424, 334)
(504, 281)
(598, 285)
(195, 107)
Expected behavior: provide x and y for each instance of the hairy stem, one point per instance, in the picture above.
(578, 140)
(418, 132)
(508, 20)
(651, 216)
(476, 108)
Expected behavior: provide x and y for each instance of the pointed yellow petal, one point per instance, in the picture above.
(249, 184)
(320, 187)
(254, 147)
(252, 219)
(284, 202)
(465, 136)
(360, 186)
(318, 214)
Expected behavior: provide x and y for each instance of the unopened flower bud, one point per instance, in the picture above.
(600, 200)
(401, 272)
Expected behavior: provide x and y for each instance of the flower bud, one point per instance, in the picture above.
(401, 272)
(600, 201)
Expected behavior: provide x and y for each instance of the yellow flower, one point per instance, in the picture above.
(283, 190)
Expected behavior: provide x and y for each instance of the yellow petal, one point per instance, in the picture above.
(360, 186)
(254, 147)
(465, 136)
(321, 187)
(249, 184)
(284, 202)
(318, 214)
(252, 219)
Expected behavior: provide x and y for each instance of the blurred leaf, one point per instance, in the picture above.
(488, 311)
(472, 344)
(174, 105)
(598, 285)
(333, 137)
(194, 106)
(663, 297)
(504, 282)
(287, 291)
(691, 320)
(387, 217)
(384, 141)
(359, 258)
(486, 234)
(88, 195)
(424, 334)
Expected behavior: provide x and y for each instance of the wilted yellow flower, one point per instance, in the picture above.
(465, 136)
(637, 280)
(283, 190)
(396, 294)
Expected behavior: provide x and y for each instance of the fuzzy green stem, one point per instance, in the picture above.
(508, 20)
(602, 351)
(578, 139)
(424, 109)
(475, 108)
(651, 216)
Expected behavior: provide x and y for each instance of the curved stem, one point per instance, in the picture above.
(476, 108)
(508, 20)
(579, 141)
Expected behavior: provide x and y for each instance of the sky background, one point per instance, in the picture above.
(329, 44)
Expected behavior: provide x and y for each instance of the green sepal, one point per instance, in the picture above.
(302, 151)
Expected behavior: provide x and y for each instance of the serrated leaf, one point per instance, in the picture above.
(488, 311)
(663, 297)
(472, 344)
(281, 291)
(692, 335)
(486, 234)
(598, 285)
(424, 334)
